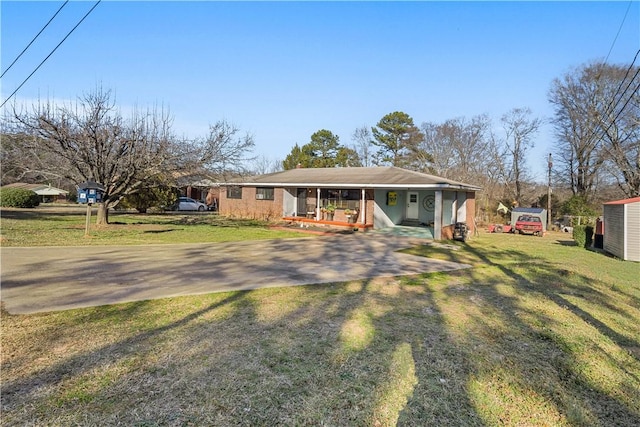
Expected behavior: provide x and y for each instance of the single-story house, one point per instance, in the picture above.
(46, 192)
(622, 228)
(199, 186)
(537, 212)
(367, 197)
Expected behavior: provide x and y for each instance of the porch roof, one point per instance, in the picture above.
(361, 177)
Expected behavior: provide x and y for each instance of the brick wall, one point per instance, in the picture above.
(251, 208)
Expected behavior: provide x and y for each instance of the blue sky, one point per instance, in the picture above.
(283, 70)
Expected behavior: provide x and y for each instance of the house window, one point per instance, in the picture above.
(264, 193)
(234, 192)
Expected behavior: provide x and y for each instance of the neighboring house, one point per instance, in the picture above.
(378, 197)
(199, 187)
(622, 228)
(46, 192)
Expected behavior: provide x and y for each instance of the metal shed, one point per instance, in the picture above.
(537, 212)
(622, 228)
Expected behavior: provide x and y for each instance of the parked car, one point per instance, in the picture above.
(528, 225)
(189, 204)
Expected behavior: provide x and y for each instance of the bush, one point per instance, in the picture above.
(18, 198)
(583, 235)
(577, 206)
(160, 197)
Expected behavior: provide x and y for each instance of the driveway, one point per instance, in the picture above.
(39, 279)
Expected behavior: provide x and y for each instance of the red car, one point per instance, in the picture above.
(528, 225)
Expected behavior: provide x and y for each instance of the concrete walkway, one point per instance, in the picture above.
(40, 279)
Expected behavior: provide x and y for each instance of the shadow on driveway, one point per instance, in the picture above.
(39, 279)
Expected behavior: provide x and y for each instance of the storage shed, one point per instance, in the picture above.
(537, 212)
(622, 228)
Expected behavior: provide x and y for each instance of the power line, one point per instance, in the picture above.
(613, 103)
(627, 102)
(51, 53)
(610, 107)
(619, 29)
(34, 39)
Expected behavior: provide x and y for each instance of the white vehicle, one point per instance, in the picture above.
(189, 204)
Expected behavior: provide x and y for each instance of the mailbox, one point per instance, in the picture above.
(90, 192)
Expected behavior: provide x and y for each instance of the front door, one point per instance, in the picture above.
(413, 205)
(302, 202)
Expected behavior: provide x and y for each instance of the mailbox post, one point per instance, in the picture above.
(89, 192)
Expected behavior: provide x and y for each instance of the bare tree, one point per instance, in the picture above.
(362, 145)
(224, 149)
(520, 129)
(15, 166)
(618, 118)
(578, 151)
(460, 149)
(441, 149)
(465, 150)
(91, 141)
(597, 123)
(262, 165)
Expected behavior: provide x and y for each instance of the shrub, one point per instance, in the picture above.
(583, 235)
(577, 206)
(152, 197)
(18, 198)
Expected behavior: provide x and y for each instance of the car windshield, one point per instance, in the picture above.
(525, 218)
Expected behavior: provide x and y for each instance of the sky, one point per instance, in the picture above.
(284, 70)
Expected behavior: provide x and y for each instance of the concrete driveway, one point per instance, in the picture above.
(39, 279)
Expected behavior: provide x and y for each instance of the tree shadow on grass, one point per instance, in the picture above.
(567, 243)
(301, 356)
(462, 348)
(543, 335)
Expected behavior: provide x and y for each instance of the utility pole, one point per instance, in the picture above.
(549, 195)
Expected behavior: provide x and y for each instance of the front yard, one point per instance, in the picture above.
(538, 332)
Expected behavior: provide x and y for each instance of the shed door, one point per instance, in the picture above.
(413, 205)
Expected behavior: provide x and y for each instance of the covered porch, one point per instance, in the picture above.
(343, 207)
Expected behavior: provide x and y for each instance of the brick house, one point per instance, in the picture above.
(365, 197)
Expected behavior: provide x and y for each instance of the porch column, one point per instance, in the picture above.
(318, 204)
(363, 207)
(437, 216)
(454, 208)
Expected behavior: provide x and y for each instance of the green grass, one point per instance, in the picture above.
(538, 332)
(66, 227)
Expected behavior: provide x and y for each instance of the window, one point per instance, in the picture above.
(264, 193)
(234, 192)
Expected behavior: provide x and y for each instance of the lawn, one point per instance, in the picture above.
(538, 332)
(65, 226)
